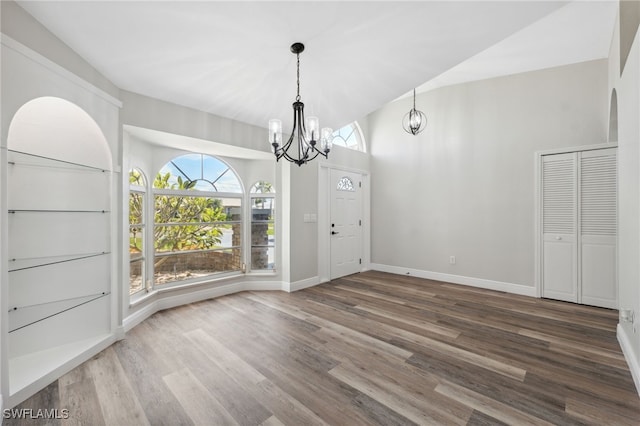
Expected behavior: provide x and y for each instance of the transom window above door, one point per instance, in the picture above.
(350, 136)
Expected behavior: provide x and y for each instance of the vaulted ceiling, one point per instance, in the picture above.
(232, 58)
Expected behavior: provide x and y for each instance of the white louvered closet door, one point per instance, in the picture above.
(559, 227)
(579, 227)
(598, 228)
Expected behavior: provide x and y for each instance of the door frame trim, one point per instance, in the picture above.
(324, 213)
(537, 174)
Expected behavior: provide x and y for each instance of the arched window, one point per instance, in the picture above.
(197, 219)
(199, 172)
(263, 253)
(350, 137)
(613, 117)
(137, 200)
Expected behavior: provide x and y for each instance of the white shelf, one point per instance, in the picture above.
(32, 372)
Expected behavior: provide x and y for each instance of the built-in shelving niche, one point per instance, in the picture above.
(59, 263)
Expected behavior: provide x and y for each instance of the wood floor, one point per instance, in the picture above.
(371, 348)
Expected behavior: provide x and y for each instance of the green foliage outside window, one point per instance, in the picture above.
(194, 214)
(182, 222)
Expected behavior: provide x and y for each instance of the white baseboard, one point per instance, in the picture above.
(629, 355)
(458, 279)
(119, 333)
(302, 284)
(140, 315)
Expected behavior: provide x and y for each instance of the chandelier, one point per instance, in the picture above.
(414, 121)
(310, 140)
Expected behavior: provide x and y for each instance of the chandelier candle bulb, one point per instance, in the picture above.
(326, 136)
(275, 130)
(414, 121)
(312, 126)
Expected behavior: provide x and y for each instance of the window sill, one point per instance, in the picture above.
(196, 282)
(140, 298)
(266, 273)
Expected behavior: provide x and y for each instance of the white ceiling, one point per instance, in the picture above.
(232, 58)
(580, 31)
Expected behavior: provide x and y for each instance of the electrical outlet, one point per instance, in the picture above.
(627, 315)
(452, 260)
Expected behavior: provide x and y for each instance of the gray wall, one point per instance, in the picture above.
(465, 186)
(627, 86)
(306, 247)
(629, 18)
(150, 113)
(19, 25)
(304, 235)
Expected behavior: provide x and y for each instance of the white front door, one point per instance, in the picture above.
(346, 223)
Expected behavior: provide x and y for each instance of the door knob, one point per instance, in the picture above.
(334, 232)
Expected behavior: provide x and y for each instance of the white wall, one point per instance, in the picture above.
(627, 87)
(465, 186)
(150, 113)
(21, 26)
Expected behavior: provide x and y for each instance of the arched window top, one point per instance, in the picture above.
(136, 178)
(613, 117)
(345, 184)
(350, 137)
(200, 172)
(263, 187)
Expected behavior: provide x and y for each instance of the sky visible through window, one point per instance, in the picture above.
(348, 137)
(209, 173)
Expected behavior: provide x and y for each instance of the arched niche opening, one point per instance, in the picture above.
(613, 117)
(56, 128)
(59, 240)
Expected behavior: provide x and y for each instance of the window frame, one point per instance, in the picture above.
(234, 249)
(255, 195)
(360, 145)
(142, 191)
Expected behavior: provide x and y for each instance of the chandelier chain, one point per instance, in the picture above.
(298, 78)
